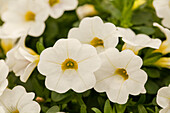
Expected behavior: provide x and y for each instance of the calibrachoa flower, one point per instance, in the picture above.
(8, 44)
(69, 65)
(4, 70)
(96, 33)
(136, 42)
(163, 99)
(86, 10)
(165, 46)
(18, 100)
(25, 16)
(57, 7)
(22, 60)
(162, 8)
(120, 75)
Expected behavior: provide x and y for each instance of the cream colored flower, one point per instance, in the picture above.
(8, 44)
(4, 70)
(86, 10)
(163, 99)
(120, 75)
(18, 100)
(57, 7)
(162, 8)
(25, 16)
(163, 62)
(137, 42)
(69, 65)
(22, 60)
(4, 5)
(165, 46)
(138, 3)
(96, 33)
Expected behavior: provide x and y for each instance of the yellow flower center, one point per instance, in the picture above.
(30, 16)
(96, 42)
(69, 64)
(123, 73)
(53, 2)
(15, 111)
(7, 44)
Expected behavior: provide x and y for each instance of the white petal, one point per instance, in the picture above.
(136, 81)
(166, 110)
(56, 12)
(163, 96)
(36, 29)
(4, 70)
(68, 4)
(28, 70)
(32, 107)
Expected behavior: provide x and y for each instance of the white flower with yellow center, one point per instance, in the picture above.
(165, 46)
(18, 100)
(137, 42)
(162, 8)
(120, 75)
(57, 7)
(163, 99)
(25, 16)
(96, 33)
(69, 65)
(4, 70)
(22, 60)
(86, 10)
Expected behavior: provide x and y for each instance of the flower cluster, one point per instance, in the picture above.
(88, 58)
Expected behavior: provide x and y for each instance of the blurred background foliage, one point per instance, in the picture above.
(123, 13)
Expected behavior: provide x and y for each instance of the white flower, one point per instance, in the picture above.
(3, 6)
(165, 46)
(120, 75)
(69, 65)
(136, 42)
(4, 70)
(93, 31)
(25, 16)
(86, 10)
(162, 8)
(57, 7)
(22, 60)
(18, 100)
(7, 44)
(163, 99)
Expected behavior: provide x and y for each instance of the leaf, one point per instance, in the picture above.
(145, 29)
(40, 46)
(83, 109)
(142, 99)
(151, 87)
(56, 97)
(107, 107)
(152, 59)
(153, 73)
(120, 108)
(53, 109)
(96, 110)
(141, 109)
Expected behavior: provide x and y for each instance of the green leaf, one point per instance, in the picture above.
(83, 109)
(151, 60)
(153, 73)
(96, 110)
(142, 99)
(107, 107)
(145, 29)
(53, 109)
(40, 46)
(151, 87)
(141, 109)
(56, 97)
(120, 108)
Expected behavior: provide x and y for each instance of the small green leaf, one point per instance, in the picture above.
(153, 73)
(96, 110)
(107, 107)
(83, 109)
(151, 87)
(40, 46)
(120, 108)
(53, 109)
(141, 109)
(142, 99)
(145, 29)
